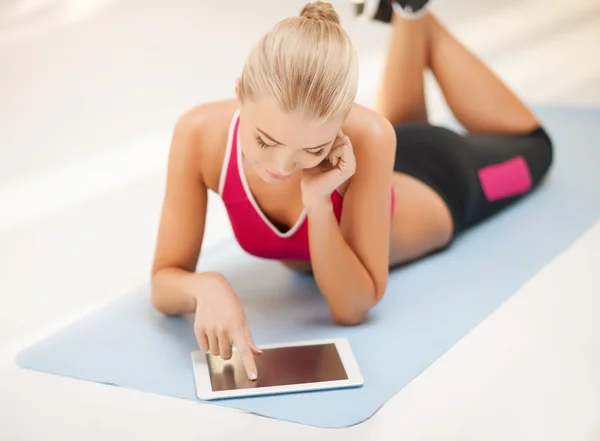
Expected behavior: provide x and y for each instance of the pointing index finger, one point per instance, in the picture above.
(245, 351)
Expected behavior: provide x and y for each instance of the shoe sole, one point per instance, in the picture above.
(410, 15)
(369, 9)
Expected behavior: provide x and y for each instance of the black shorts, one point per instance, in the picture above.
(476, 175)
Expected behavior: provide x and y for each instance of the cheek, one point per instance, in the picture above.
(251, 151)
(310, 161)
(263, 156)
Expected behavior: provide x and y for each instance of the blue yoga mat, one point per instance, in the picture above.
(428, 306)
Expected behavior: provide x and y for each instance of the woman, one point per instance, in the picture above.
(321, 183)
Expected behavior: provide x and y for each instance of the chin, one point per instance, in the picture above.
(267, 176)
(273, 180)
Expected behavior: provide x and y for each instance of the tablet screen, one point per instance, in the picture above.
(279, 367)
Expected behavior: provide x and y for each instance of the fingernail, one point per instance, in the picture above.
(253, 375)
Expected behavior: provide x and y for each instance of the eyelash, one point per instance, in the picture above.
(317, 153)
(264, 145)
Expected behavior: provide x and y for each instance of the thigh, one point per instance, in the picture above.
(421, 222)
(446, 182)
(505, 169)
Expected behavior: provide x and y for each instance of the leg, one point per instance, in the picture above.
(421, 222)
(401, 92)
(477, 97)
(506, 168)
(446, 182)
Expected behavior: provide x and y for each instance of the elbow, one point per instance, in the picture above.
(352, 315)
(348, 320)
(159, 301)
(160, 305)
(349, 316)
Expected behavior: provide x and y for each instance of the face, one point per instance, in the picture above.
(277, 145)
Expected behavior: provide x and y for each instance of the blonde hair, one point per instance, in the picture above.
(306, 64)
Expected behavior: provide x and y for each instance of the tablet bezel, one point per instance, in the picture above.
(204, 389)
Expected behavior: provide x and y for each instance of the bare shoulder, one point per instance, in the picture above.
(206, 129)
(370, 132)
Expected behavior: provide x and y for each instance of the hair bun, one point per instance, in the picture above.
(320, 11)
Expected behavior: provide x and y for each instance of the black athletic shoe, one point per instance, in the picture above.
(380, 10)
(383, 10)
(410, 8)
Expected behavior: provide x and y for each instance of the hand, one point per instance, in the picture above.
(318, 183)
(220, 321)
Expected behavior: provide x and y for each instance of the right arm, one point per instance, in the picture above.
(176, 287)
(174, 281)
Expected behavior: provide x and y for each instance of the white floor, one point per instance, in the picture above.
(87, 87)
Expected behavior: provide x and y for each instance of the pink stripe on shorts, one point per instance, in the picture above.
(506, 179)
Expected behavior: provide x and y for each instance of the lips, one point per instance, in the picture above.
(276, 175)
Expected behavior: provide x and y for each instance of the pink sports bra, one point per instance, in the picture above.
(255, 233)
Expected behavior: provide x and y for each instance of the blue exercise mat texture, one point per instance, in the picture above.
(429, 305)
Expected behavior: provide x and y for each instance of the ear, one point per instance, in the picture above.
(237, 87)
(237, 92)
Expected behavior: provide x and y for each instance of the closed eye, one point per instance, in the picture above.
(316, 152)
(263, 144)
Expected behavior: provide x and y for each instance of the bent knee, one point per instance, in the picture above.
(543, 154)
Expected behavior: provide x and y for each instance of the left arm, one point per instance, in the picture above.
(350, 261)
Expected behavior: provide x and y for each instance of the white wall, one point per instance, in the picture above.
(89, 92)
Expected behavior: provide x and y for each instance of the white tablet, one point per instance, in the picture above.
(282, 368)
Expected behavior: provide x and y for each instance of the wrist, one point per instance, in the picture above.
(198, 285)
(318, 204)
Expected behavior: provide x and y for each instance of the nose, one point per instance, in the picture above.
(285, 164)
